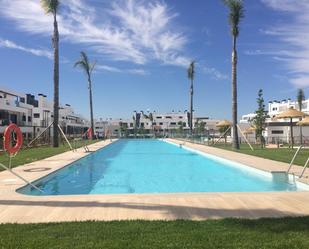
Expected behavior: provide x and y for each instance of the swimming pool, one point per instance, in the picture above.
(154, 166)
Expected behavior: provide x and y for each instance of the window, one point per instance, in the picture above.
(131, 124)
(24, 118)
(168, 117)
(159, 117)
(29, 119)
(36, 115)
(154, 123)
(160, 123)
(180, 117)
(277, 132)
(173, 123)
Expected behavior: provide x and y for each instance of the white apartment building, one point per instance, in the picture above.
(275, 107)
(34, 115)
(14, 108)
(278, 130)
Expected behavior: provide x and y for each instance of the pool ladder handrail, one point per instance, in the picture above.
(293, 159)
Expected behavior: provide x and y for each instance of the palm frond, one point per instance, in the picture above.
(300, 95)
(300, 98)
(84, 64)
(80, 64)
(236, 8)
(50, 6)
(191, 70)
(92, 66)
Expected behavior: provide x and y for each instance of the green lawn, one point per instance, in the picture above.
(228, 233)
(277, 154)
(29, 155)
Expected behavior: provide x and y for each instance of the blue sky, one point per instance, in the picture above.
(144, 47)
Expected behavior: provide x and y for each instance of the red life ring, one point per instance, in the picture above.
(90, 133)
(7, 139)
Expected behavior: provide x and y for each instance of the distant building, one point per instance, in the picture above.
(159, 124)
(248, 118)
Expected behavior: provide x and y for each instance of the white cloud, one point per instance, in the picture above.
(135, 31)
(137, 71)
(118, 70)
(107, 68)
(292, 46)
(37, 52)
(214, 73)
(131, 30)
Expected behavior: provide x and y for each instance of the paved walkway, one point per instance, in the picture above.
(19, 208)
(253, 161)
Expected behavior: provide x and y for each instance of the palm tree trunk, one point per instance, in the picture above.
(235, 144)
(191, 107)
(56, 83)
(301, 133)
(291, 132)
(91, 107)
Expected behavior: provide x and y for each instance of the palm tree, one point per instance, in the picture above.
(51, 7)
(236, 13)
(300, 99)
(150, 116)
(88, 67)
(191, 73)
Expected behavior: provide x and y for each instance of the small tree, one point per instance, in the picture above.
(181, 125)
(260, 118)
(200, 127)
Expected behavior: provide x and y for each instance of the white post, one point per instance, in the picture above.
(40, 134)
(10, 170)
(65, 137)
(245, 138)
(222, 135)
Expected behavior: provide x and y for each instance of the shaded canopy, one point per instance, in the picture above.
(291, 113)
(223, 123)
(304, 122)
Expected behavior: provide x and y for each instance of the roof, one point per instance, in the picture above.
(224, 123)
(304, 122)
(291, 113)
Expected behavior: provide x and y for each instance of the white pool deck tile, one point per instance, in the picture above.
(18, 208)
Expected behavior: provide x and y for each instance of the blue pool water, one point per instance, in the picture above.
(152, 166)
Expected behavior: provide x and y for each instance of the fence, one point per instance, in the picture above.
(30, 132)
